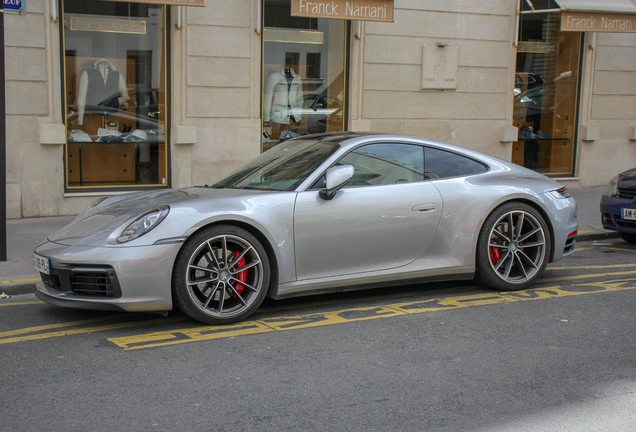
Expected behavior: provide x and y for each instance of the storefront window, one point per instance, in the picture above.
(545, 94)
(303, 74)
(115, 66)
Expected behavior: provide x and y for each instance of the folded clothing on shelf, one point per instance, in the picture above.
(77, 135)
(137, 135)
(108, 135)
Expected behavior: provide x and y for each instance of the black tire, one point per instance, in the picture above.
(628, 237)
(208, 283)
(513, 248)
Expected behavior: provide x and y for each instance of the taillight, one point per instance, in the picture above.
(561, 193)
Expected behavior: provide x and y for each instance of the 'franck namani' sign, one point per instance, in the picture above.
(108, 25)
(598, 22)
(359, 10)
(296, 36)
(537, 47)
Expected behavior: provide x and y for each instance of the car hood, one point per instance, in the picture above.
(628, 178)
(97, 224)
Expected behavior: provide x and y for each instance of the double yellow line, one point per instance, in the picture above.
(295, 322)
(69, 328)
(601, 282)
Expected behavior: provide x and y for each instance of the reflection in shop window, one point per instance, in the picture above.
(545, 93)
(115, 68)
(303, 74)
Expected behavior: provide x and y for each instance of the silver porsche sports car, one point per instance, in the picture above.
(320, 213)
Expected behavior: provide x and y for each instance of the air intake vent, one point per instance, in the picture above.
(93, 283)
(625, 193)
(626, 223)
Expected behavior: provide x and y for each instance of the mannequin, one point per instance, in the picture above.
(283, 97)
(101, 85)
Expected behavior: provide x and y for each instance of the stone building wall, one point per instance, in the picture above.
(220, 88)
(26, 100)
(216, 89)
(609, 107)
(471, 115)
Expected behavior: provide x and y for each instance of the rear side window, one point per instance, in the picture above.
(382, 164)
(443, 164)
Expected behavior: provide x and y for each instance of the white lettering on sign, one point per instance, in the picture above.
(599, 22)
(318, 8)
(616, 24)
(365, 11)
(14, 6)
(89, 25)
(351, 9)
(125, 27)
(605, 24)
(581, 23)
(108, 25)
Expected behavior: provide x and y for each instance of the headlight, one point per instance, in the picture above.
(93, 205)
(143, 224)
(611, 188)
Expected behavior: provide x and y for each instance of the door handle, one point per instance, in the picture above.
(424, 208)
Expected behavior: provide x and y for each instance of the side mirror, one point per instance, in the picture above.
(335, 179)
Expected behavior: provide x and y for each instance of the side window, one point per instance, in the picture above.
(380, 164)
(443, 164)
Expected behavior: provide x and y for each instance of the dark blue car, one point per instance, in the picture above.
(618, 205)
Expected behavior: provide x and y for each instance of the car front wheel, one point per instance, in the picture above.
(221, 275)
(513, 248)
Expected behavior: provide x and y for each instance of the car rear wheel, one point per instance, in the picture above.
(513, 248)
(221, 275)
(628, 237)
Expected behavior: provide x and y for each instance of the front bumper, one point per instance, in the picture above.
(611, 214)
(133, 279)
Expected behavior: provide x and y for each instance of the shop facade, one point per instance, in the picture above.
(109, 97)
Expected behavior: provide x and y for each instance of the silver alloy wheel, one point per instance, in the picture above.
(516, 246)
(224, 276)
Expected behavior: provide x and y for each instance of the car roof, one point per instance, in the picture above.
(349, 139)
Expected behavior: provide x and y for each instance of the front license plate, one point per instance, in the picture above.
(41, 263)
(629, 214)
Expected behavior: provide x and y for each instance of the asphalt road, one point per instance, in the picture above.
(439, 357)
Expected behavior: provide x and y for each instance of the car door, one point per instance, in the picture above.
(383, 219)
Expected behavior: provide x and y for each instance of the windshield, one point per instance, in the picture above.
(282, 168)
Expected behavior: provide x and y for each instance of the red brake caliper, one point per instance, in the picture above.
(242, 276)
(494, 254)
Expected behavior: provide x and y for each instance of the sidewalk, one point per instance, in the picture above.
(17, 275)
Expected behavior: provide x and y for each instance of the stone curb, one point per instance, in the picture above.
(596, 235)
(18, 288)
